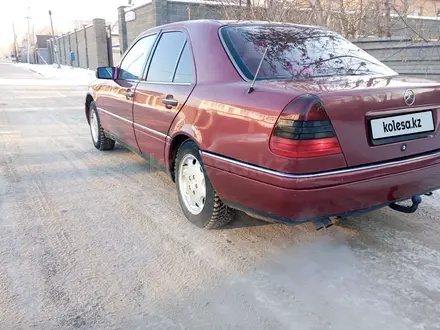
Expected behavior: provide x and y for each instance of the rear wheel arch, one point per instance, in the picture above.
(176, 143)
(213, 213)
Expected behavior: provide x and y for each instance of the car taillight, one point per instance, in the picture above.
(304, 130)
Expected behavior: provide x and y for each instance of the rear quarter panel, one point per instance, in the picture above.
(224, 119)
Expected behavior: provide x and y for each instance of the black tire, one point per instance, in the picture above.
(215, 213)
(103, 142)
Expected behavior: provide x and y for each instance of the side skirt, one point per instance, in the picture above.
(148, 158)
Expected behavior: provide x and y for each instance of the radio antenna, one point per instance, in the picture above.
(251, 89)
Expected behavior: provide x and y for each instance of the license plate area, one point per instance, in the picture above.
(403, 127)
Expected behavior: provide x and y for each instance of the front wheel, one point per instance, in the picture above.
(100, 141)
(198, 199)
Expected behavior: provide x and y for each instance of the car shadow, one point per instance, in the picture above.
(148, 162)
(120, 149)
(243, 220)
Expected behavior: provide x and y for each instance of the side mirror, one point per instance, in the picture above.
(106, 72)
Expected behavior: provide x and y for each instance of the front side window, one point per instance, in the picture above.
(297, 52)
(134, 62)
(165, 57)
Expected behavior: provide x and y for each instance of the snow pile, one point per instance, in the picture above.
(65, 75)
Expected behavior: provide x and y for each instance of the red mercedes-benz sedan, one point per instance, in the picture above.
(285, 122)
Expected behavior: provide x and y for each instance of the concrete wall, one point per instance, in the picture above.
(145, 19)
(100, 31)
(159, 12)
(59, 49)
(70, 42)
(401, 54)
(91, 37)
(182, 11)
(66, 49)
(82, 48)
(89, 45)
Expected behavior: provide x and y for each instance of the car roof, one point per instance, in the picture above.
(239, 22)
(207, 47)
(211, 22)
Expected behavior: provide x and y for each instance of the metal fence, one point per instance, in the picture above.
(405, 56)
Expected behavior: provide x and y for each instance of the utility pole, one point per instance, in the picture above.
(15, 43)
(55, 46)
(28, 37)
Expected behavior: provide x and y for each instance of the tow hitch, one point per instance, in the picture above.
(416, 200)
(322, 223)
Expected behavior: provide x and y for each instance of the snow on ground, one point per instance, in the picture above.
(65, 75)
(97, 240)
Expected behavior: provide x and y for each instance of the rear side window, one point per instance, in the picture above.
(297, 52)
(166, 56)
(184, 67)
(133, 64)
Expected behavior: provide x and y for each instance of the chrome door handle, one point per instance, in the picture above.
(129, 94)
(170, 102)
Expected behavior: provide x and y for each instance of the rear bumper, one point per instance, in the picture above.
(302, 198)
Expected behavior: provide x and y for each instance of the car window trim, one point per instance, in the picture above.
(229, 54)
(178, 60)
(161, 33)
(165, 83)
(150, 56)
(129, 49)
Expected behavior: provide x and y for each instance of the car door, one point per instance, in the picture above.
(169, 81)
(119, 104)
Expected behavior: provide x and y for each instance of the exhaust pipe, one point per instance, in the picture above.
(416, 200)
(322, 223)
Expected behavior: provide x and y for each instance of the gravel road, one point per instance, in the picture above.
(97, 240)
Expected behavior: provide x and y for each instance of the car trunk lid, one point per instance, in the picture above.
(384, 118)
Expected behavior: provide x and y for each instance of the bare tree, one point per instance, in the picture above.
(350, 18)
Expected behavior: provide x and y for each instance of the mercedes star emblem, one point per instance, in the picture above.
(409, 97)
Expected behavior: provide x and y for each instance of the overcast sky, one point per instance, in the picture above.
(64, 12)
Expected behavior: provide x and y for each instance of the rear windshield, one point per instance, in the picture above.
(297, 52)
